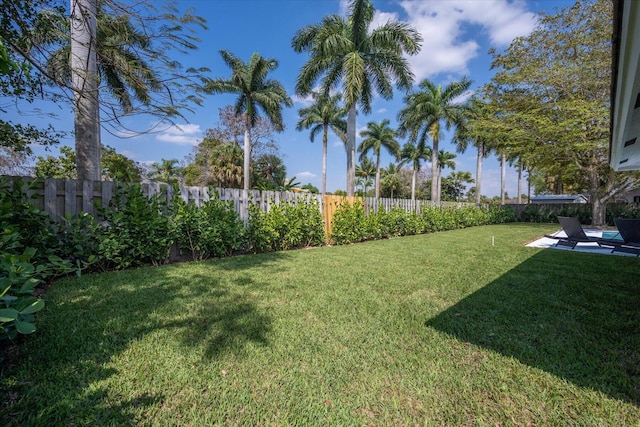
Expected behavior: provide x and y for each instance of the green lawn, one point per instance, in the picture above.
(439, 329)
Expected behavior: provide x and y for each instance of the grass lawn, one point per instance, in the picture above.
(439, 329)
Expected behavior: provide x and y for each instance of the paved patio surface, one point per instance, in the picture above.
(548, 243)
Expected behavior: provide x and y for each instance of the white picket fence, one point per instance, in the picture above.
(59, 197)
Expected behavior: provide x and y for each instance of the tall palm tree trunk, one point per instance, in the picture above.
(377, 177)
(479, 172)
(324, 160)
(247, 154)
(413, 183)
(434, 173)
(84, 72)
(351, 150)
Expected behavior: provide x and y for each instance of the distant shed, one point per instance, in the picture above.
(560, 199)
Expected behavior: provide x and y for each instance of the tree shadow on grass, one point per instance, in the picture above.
(574, 315)
(60, 376)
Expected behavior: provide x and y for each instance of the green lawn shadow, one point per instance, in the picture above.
(549, 314)
(112, 310)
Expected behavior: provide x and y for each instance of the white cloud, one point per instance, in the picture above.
(305, 101)
(129, 154)
(306, 175)
(186, 134)
(381, 110)
(446, 48)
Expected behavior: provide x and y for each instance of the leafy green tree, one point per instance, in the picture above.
(115, 166)
(269, 172)
(322, 115)
(311, 188)
(62, 167)
(97, 56)
(551, 99)
(167, 171)
(255, 92)
(455, 183)
(225, 165)
(426, 111)
(118, 167)
(377, 136)
(20, 80)
(363, 60)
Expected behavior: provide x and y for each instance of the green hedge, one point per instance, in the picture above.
(351, 224)
(548, 213)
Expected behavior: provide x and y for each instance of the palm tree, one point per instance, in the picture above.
(376, 136)
(413, 154)
(168, 170)
(255, 92)
(471, 132)
(365, 170)
(391, 178)
(324, 114)
(425, 112)
(347, 54)
(85, 88)
(458, 181)
(225, 165)
(105, 54)
(445, 160)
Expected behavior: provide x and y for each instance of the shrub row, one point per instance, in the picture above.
(549, 213)
(351, 224)
(132, 230)
(135, 230)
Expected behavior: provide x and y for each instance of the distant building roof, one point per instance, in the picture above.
(560, 198)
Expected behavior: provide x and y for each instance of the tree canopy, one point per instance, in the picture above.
(550, 103)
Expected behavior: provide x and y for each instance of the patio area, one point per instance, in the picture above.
(546, 242)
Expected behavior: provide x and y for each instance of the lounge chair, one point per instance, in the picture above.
(574, 233)
(629, 230)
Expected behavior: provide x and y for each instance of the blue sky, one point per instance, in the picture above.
(457, 36)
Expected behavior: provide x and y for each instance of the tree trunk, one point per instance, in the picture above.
(598, 212)
(377, 178)
(84, 75)
(479, 171)
(247, 154)
(503, 177)
(351, 151)
(435, 191)
(324, 160)
(413, 184)
(520, 184)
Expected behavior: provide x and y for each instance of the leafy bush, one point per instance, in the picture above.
(135, 230)
(351, 224)
(79, 240)
(285, 226)
(29, 249)
(215, 229)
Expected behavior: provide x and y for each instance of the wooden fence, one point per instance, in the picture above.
(59, 197)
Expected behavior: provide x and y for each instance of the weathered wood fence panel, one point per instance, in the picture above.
(330, 205)
(59, 197)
